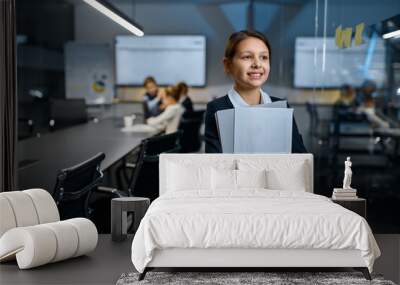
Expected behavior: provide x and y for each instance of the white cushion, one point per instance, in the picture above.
(34, 244)
(292, 179)
(223, 179)
(7, 220)
(282, 174)
(251, 178)
(229, 161)
(87, 233)
(45, 205)
(40, 244)
(226, 179)
(67, 238)
(183, 178)
(23, 208)
(185, 175)
(26, 208)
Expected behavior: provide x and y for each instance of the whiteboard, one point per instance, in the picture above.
(89, 72)
(339, 66)
(169, 59)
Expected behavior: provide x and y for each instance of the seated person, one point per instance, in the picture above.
(347, 96)
(368, 108)
(168, 120)
(184, 99)
(152, 98)
(346, 102)
(367, 89)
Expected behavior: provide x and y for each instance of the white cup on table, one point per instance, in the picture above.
(128, 120)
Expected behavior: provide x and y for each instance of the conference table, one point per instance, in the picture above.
(40, 158)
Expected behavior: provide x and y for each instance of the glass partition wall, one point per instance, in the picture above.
(350, 68)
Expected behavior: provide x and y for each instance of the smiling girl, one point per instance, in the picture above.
(247, 61)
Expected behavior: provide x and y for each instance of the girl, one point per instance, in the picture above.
(168, 120)
(184, 99)
(247, 61)
(151, 98)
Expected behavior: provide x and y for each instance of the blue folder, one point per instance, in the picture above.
(249, 129)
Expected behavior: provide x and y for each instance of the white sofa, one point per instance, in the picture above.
(31, 231)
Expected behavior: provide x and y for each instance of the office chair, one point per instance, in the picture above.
(190, 125)
(66, 113)
(144, 181)
(320, 130)
(75, 185)
(128, 163)
(320, 142)
(26, 120)
(25, 128)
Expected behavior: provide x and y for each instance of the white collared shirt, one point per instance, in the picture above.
(237, 100)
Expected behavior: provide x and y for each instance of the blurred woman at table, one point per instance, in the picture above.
(168, 120)
(151, 98)
(369, 110)
(184, 98)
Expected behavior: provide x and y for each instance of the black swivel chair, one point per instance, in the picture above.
(67, 112)
(320, 130)
(190, 125)
(75, 185)
(144, 181)
(25, 128)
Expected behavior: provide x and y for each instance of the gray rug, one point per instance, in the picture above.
(229, 278)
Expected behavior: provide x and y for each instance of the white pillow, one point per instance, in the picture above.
(282, 174)
(293, 179)
(223, 179)
(226, 179)
(182, 177)
(186, 174)
(251, 178)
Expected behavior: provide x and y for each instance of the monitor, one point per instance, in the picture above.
(169, 59)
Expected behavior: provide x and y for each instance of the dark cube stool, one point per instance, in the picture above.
(120, 207)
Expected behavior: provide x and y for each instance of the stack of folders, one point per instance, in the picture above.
(266, 128)
(344, 194)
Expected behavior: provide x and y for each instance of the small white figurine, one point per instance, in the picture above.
(347, 174)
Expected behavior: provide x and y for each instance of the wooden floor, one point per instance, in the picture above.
(111, 259)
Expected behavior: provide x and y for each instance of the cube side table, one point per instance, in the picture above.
(120, 207)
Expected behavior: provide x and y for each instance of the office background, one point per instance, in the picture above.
(45, 28)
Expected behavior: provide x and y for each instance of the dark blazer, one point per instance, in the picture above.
(213, 144)
(150, 110)
(187, 104)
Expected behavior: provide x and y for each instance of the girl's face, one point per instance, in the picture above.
(250, 65)
(151, 88)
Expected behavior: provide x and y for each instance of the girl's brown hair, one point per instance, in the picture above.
(182, 88)
(173, 92)
(237, 37)
(149, 79)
